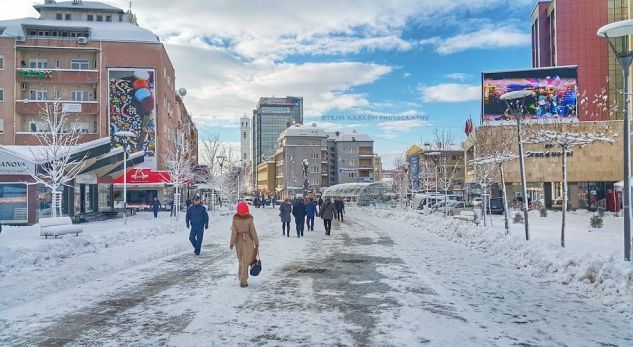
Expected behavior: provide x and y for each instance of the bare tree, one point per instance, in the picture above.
(211, 148)
(401, 180)
(567, 136)
(57, 153)
(446, 170)
(179, 163)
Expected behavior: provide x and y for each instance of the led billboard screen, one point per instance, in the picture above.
(554, 92)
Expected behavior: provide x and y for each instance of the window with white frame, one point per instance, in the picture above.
(1, 126)
(1, 62)
(79, 64)
(80, 127)
(38, 63)
(80, 95)
(36, 127)
(1, 94)
(38, 94)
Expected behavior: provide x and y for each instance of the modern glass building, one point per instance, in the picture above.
(270, 118)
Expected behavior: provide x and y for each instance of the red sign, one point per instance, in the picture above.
(145, 176)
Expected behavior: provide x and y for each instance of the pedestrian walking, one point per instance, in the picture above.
(299, 212)
(155, 207)
(326, 211)
(172, 211)
(319, 203)
(311, 211)
(339, 205)
(285, 208)
(244, 239)
(198, 218)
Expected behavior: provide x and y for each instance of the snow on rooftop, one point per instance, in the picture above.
(99, 31)
(348, 137)
(83, 5)
(303, 130)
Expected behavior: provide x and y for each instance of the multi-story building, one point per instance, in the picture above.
(266, 177)
(431, 167)
(301, 160)
(109, 75)
(351, 157)
(271, 116)
(564, 33)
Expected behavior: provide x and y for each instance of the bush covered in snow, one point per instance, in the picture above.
(596, 221)
(518, 218)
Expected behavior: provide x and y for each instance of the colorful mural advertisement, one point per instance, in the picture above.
(554, 92)
(132, 107)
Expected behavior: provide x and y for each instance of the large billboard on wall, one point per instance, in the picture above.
(132, 107)
(554, 92)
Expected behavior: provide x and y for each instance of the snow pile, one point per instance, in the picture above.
(606, 277)
(22, 248)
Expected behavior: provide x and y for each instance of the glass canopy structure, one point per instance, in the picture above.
(363, 194)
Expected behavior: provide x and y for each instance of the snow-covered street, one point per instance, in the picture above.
(375, 281)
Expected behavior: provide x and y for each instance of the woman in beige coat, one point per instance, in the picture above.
(244, 239)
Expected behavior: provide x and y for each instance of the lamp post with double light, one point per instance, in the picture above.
(125, 137)
(621, 31)
(515, 102)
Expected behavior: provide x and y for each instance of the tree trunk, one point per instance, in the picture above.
(562, 229)
(505, 199)
(483, 203)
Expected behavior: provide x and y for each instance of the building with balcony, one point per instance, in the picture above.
(351, 158)
(107, 73)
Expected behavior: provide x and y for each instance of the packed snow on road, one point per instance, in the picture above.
(383, 277)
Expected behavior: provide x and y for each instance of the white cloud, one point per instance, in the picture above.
(450, 92)
(459, 76)
(488, 37)
(392, 130)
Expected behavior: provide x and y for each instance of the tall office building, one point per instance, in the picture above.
(351, 158)
(564, 33)
(270, 118)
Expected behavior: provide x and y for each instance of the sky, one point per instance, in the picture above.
(419, 60)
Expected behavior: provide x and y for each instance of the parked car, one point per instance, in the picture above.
(456, 207)
(496, 206)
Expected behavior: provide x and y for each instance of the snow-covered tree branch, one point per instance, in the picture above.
(179, 163)
(57, 155)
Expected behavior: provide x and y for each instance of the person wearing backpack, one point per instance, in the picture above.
(244, 239)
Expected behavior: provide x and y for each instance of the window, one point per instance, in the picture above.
(1, 126)
(1, 62)
(1, 94)
(80, 95)
(91, 17)
(79, 127)
(99, 18)
(79, 64)
(68, 16)
(57, 63)
(108, 18)
(36, 94)
(38, 63)
(59, 16)
(35, 127)
(244, 134)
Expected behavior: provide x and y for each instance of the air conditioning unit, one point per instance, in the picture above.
(82, 40)
(20, 38)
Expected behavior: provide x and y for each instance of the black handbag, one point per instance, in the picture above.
(256, 266)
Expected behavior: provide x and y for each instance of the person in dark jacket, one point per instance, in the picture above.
(311, 210)
(155, 207)
(172, 212)
(285, 209)
(326, 211)
(198, 219)
(299, 212)
(319, 203)
(339, 205)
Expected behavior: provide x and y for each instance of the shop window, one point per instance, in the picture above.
(13, 203)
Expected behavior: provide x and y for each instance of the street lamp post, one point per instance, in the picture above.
(623, 29)
(306, 164)
(515, 101)
(125, 136)
(221, 159)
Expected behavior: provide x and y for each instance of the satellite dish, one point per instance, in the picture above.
(182, 92)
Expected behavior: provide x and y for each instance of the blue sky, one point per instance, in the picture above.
(344, 57)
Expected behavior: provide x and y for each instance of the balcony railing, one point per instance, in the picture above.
(34, 107)
(57, 75)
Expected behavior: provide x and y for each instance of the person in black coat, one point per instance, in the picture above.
(171, 208)
(198, 219)
(299, 212)
(338, 206)
(155, 207)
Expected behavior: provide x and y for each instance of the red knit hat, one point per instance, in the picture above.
(242, 208)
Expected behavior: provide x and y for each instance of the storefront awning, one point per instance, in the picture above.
(132, 160)
(145, 177)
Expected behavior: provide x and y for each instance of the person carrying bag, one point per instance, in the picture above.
(244, 239)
